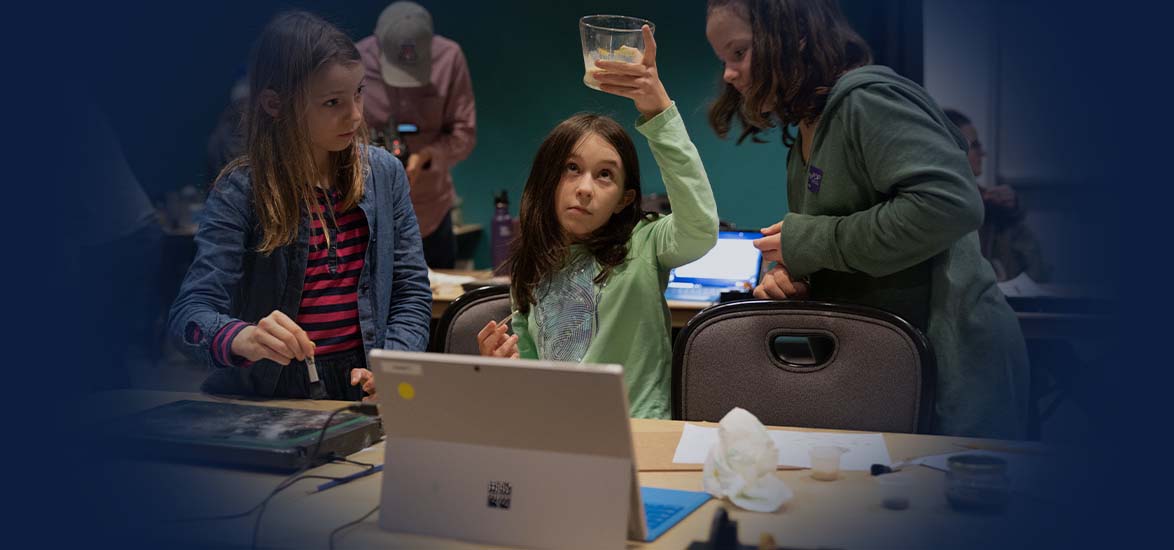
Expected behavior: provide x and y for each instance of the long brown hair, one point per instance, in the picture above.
(799, 49)
(278, 152)
(540, 249)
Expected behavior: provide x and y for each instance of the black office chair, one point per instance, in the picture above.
(456, 332)
(805, 364)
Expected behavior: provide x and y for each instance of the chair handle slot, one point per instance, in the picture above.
(803, 350)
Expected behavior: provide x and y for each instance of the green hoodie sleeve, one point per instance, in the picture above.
(691, 230)
(909, 157)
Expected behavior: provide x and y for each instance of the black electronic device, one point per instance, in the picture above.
(394, 139)
(233, 434)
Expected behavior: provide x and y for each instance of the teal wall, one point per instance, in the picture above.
(527, 75)
(526, 65)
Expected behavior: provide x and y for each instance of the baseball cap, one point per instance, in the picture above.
(404, 33)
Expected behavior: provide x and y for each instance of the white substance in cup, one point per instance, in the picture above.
(825, 462)
(627, 54)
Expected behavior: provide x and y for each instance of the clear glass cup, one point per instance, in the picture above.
(610, 38)
(825, 462)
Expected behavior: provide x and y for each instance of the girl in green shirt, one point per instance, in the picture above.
(589, 268)
(883, 204)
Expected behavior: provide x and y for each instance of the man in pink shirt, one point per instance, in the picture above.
(416, 77)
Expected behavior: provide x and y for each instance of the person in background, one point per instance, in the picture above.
(420, 78)
(119, 256)
(1006, 240)
(227, 141)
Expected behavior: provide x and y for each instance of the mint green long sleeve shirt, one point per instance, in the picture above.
(632, 324)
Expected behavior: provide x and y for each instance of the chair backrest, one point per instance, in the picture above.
(456, 332)
(805, 364)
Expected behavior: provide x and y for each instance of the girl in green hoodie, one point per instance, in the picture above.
(590, 268)
(883, 205)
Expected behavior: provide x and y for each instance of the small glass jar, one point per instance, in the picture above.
(896, 490)
(977, 483)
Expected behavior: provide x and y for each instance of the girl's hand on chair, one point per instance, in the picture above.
(777, 284)
(275, 337)
(639, 82)
(367, 379)
(493, 341)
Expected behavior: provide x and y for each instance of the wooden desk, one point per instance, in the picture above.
(465, 229)
(845, 513)
(444, 294)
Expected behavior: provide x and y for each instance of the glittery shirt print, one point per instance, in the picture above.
(566, 311)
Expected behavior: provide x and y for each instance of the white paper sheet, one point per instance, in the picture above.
(444, 279)
(694, 444)
(864, 450)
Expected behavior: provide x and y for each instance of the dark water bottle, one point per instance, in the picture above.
(501, 232)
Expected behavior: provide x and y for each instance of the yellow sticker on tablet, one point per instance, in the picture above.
(406, 390)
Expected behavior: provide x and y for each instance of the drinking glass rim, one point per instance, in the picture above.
(583, 21)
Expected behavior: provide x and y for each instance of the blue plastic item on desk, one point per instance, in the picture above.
(664, 508)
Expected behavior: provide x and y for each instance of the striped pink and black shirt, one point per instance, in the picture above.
(329, 308)
(329, 311)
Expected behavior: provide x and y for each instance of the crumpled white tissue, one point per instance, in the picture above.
(742, 464)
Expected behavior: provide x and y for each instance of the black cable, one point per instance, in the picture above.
(293, 477)
(321, 436)
(265, 503)
(350, 524)
(219, 518)
(365, 408)
(296, 476)
(367, 465)
(281, 487)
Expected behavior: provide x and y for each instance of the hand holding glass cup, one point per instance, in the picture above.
(623, 61)
(610, 38)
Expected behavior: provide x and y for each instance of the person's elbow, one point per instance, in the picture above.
(177, 319)
(409, 331)
(970, 216)
(708, 229)
(959, 216)
(698, 240)
(184, 331)
(415, 299)
(711, 240)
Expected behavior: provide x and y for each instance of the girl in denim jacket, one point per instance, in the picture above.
(309, 254)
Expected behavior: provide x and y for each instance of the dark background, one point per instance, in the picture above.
(162, 73)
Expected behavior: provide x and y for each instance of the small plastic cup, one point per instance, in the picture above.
(610, 37)
(896, 490)
(825, 462)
